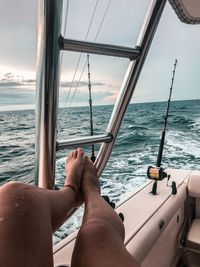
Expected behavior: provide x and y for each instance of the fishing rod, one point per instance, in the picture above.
(162, 140)
(157, 173)
(90, 104)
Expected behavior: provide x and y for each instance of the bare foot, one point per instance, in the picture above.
(90, 182)
(74, 168)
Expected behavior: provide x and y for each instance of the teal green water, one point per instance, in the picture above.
(136, 147)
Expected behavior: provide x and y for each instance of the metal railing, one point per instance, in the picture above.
(50, 42)
(48, 75)
(99, 49)
(86, 140)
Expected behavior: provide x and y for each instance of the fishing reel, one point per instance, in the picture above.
(156, 173)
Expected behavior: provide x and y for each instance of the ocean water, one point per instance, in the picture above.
(136, 147)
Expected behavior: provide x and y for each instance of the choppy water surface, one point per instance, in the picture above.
(135, 149)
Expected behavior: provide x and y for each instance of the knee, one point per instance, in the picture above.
(95, 228)
(23, 202)
(12, 185)
(102, 229)
(17, 193)
(13, 189)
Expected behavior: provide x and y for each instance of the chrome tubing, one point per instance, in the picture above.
(48, 57)
(86, 140)
(99, 49)
(130, 80)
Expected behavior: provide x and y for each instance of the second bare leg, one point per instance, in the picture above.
(100, 239)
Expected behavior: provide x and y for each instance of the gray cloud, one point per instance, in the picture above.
(31, 81)
(9, 75)
(8, 84)
(82, 97)
(5, 84)
(81, 84)
(10, 80)
(14, 89)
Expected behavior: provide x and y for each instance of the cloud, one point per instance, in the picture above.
(80, 84)
(76, 95)
(9, 84)
(15, 89)
(107, 95)
(10, 80)
(9, 75)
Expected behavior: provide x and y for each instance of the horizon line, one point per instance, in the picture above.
(99, 105)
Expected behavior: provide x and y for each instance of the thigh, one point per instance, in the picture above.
(25, 227)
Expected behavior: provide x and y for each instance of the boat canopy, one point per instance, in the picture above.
(188, 11)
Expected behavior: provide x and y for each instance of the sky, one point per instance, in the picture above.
(173, 39)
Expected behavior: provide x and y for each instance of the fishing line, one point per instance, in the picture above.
(65, 28)
(97, 34)
(77, 65)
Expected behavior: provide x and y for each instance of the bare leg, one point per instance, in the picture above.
(29, 215)
(100, 239)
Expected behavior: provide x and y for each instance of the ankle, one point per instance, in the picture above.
(91, 195)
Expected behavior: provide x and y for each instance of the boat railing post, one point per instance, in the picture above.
(130, 80)
(48, 76)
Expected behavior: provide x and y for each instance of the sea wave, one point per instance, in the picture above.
(135, 149)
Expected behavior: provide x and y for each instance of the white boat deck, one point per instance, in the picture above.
(145, 220)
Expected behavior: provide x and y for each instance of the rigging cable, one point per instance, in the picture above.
(65, 28)
(77, 65)
(102, 21)
(66, 18)
(90, 104)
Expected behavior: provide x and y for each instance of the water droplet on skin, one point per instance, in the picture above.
(16, 205)
(2, 219)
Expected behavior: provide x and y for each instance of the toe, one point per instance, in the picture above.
(75, 153)
(80, 152)
(88, 161)
(70, 156)
(86, 158)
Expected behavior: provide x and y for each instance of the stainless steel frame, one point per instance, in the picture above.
(103, 138)
(47, 87)
(49, 30)
(100, 49)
